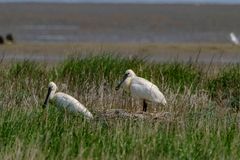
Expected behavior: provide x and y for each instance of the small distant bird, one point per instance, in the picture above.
(234, 39)
(65, 101)
(1, 40)
(141, 88)
(9, 38)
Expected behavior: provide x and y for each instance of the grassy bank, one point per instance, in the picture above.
(199, 122)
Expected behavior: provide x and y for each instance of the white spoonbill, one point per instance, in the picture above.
(234, 38)
(141, 88)
(65, 101)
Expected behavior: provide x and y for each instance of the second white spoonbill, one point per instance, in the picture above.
(65, 101)
(234, 38)
(141, 88)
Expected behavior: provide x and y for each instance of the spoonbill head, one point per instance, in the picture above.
(126, 80)
(65, 101)
(141, 88)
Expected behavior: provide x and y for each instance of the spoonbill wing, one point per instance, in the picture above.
(144, 89)
(69, 103)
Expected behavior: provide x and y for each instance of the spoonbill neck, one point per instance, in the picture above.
(127, 83)
(52, 93)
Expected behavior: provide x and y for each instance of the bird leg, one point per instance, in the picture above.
(144, 106)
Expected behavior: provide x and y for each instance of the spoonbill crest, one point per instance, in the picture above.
(65, 101)
(234, 38)
(141, 88)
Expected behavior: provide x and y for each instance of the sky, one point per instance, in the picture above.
(132, 1)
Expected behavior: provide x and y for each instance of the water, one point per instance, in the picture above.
(120, 23)
(132, 1)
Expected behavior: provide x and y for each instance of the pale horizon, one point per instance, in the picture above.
(132, 1)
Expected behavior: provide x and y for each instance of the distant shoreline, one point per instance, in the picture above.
(153, 52)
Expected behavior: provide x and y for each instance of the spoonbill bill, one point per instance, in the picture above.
(234, 38)
(65, 101)
(141, 88)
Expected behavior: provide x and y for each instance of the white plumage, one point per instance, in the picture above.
(141, 88)
(234, 39)
(65, 101)
(146, 90)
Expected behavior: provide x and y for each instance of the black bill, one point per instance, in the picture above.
(46, 100)
(120, 83)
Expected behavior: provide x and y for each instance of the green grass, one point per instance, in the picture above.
(200, 122)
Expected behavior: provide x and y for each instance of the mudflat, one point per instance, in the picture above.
(153, 52)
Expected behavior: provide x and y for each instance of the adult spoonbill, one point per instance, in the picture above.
(141, 88)
(65, 101)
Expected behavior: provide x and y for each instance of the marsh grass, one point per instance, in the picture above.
(198, 124)
(226, 86)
